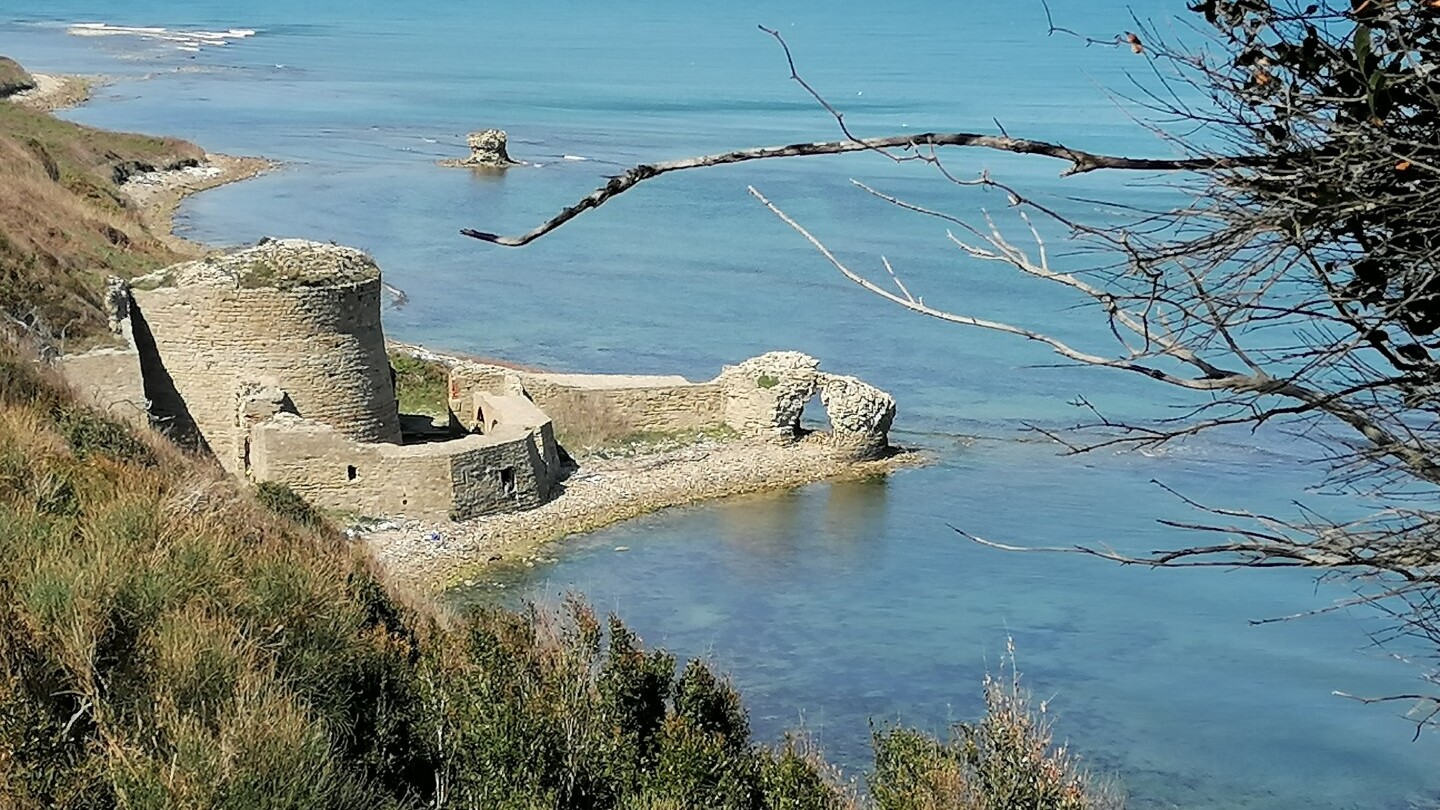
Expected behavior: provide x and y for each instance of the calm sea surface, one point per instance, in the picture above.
(834, 606)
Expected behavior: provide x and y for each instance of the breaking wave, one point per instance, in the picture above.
(192, 41)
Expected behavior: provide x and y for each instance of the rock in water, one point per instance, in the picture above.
(487, 151)
(14, 79)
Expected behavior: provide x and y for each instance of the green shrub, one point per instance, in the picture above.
(421, 386)
(1005, 761)
(90, 432)
(555, 710)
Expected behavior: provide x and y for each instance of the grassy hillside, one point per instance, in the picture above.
(64, 224)
(167, 642)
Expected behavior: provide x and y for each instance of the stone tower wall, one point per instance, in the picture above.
(321, 344)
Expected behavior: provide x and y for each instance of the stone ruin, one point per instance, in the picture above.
(765, 397)
(273, 361)
(487, 151)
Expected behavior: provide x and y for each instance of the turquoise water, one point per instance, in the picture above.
(835, 605)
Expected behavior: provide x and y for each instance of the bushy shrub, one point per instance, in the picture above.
(552, 709)
(89, 432)
(1007, 760)
(165, 644)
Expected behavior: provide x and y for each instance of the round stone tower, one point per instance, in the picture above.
(297, 316)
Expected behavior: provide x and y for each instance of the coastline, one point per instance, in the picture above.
(605, 489)
(432, 556)
(55, 92)
(157, 194)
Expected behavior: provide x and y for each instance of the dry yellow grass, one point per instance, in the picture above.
(64, 223)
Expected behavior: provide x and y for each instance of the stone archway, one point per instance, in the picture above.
(765, 397)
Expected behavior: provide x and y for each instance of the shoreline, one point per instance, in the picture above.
(434, 556)
(55, 91)
(158, 194)
(604, 489)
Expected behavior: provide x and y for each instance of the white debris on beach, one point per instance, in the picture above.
(150, 182)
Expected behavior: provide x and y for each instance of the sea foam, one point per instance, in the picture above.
(191, 41)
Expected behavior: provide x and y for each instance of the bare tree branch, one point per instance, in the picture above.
(1080, 162)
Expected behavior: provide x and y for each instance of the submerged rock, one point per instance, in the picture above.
(487, 151)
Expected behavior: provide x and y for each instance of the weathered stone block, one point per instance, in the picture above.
(860, 414)
(765, 396)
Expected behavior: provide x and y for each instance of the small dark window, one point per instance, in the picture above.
(351, 473)
(507, 481)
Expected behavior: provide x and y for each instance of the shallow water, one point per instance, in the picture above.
(835, 605)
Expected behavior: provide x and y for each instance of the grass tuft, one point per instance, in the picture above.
(422, 386)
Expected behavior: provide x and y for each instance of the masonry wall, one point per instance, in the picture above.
(321, 344)
(587, 406)
(109, 379)
(664, 409)
(510, 474)
(462, 478)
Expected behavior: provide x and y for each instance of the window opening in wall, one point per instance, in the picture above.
(507, 481)
(351, 473)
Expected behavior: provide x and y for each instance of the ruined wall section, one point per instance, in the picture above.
(301, 316)
(591, 404)
(860, 416)
(336, 472)
(458, 479)
(109, 379)
(509, 474)
(629, 410)
(765, 396)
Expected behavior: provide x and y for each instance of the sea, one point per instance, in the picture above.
(838, 609)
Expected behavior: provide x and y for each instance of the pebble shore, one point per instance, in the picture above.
(53, 93)
(432, 556)
(159, 194)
